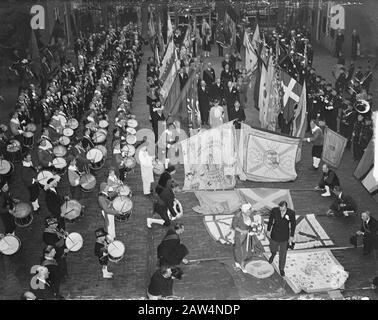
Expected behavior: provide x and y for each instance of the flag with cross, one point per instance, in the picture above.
(292, 92)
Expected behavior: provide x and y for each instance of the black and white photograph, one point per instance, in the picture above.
(201, 153)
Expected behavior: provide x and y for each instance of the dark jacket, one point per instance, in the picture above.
(281, 231)
(209, 76)
(160, 285)
(53, 202)
(170, 251)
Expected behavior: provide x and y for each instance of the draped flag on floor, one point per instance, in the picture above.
(333, 148)
(300, 120)
(266, 156)
(292, 91)
(209, 159)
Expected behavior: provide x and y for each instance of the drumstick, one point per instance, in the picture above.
(68, 211)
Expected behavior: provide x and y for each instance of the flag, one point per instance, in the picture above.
(167, 57)
(246, 37)
(177, 60)
(256, 39)
(375, 126)
(166, 87)
(265, 91)
(151, 25)
(300, 121)
(252, 49)
(333, 148)
(274, 101)
(170, 28)
(370, 183)
(157, 57)
(292, 91)
(267, 156)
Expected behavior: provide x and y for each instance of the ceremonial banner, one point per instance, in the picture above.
(252, 47)
(312, 271)
(169, 29)
(274, 102)
(168, 82)
(370, 183)
(209, 159)
(333, 148)
(167, 58)
(266, 156)
(292, 91)
(366, 162)
(300, 121)
(265, 89)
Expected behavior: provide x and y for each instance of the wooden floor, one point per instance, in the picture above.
(208, 280)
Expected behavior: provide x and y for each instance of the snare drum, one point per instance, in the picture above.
(116, 251)
(124, 190)
(87, 182)
(132, 123)
(124, 205)
(60, 165)
(59, 151)
(71, 210)
(28, 139)
(73, 124)
(158, 167)
(23, 215)
(9, 244)
(96, 159)
(131, 131)
(68, 132)
(14, 153)
(99, 137)
(64, 141)
(74, 242)
(102, 149)
(130, 163)
(103, 124)
(6, 168)
(129, 150)
(31, 127)
(131, 139)
(43, 177)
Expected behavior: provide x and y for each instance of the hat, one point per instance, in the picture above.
(51, 220)
(100, 232)
(245, 207)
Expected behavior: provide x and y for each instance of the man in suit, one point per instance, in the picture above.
(54, 201)
(171, 251)
(42, 287)
(231, 95)
(183, 77)
(343, 206)
(369, 231)
(280, 233)
(204, 102)
(209, 75)
(51, 264)
(226, 75)
(216, 90)
(45, 154)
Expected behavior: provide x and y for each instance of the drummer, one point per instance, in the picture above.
(74, 178)
(113, 181)
(15, 127)
(54, 201)
(45, 154)
(87, 142)
(29, 177)
(80, 155)
(53, 235)
(101, 252)
(106, 206)
(7, 204)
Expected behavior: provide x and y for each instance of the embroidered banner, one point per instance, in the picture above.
(209, 159)
(265, 156)
(333, 148)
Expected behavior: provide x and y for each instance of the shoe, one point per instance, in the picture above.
(149, 223)
(282, 273)
(271, 259)
(326, 194)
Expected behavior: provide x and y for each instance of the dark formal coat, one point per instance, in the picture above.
(171, 251)
(209, 76)
(282, 228)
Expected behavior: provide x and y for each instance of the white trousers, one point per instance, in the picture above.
(109, 225)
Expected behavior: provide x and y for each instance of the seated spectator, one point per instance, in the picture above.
(328, 181)
(343, 206)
